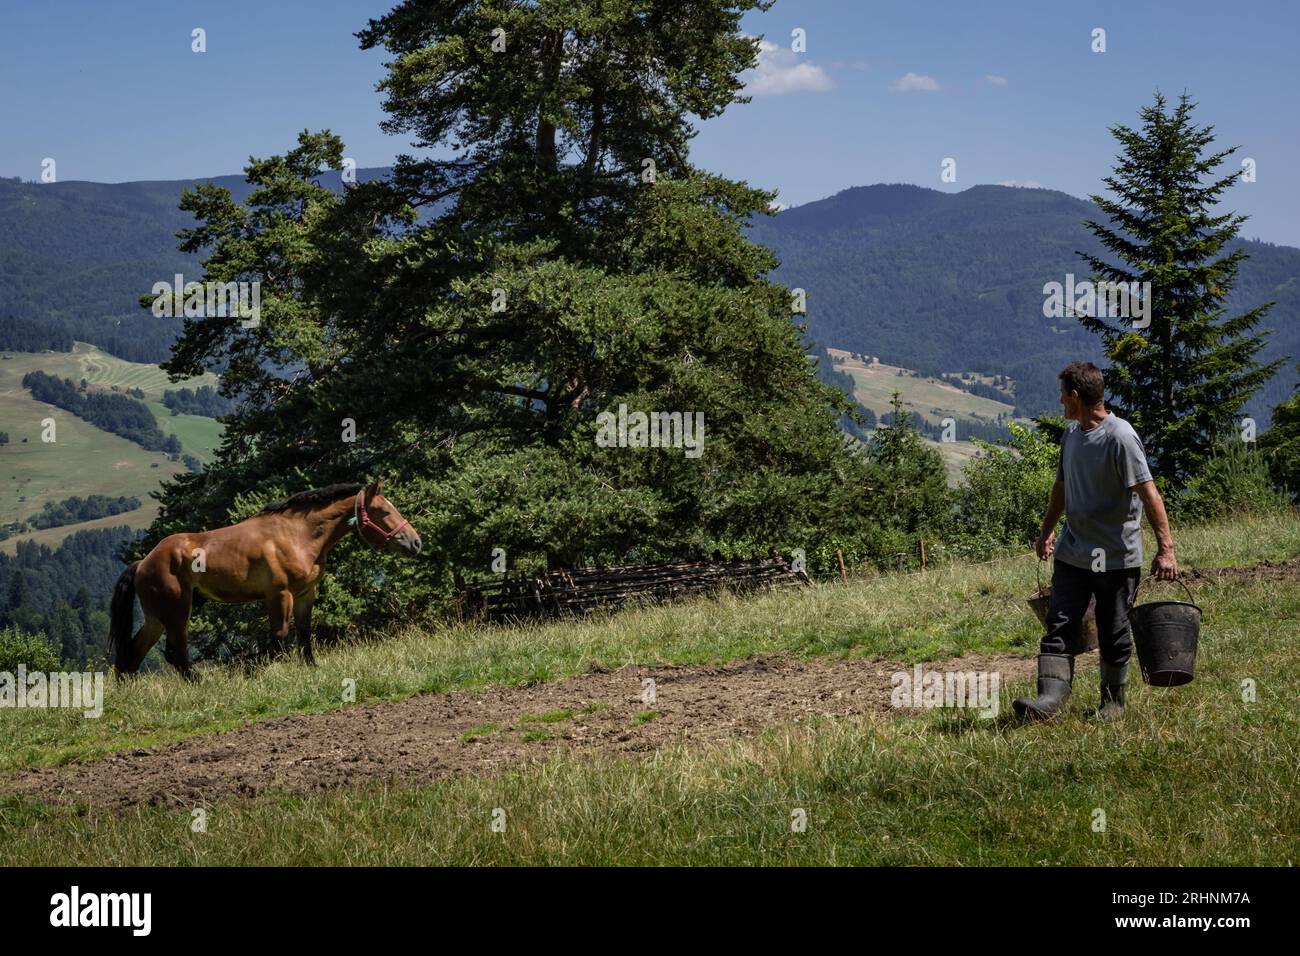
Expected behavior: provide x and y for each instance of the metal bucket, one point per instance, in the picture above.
(1042, 599)
(1166, 634)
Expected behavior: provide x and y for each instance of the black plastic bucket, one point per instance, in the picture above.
(1166, 633)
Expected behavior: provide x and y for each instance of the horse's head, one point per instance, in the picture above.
(381, 525)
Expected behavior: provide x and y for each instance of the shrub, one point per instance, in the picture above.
(1235, 481)
(1281, 445)
(1005, 492)
(907, 496)
(33, 650)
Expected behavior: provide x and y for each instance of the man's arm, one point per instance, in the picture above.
(1163, 566)
(1055, 508)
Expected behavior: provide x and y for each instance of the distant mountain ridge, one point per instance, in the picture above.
(934, 281)
(941, 282)
(76, 256)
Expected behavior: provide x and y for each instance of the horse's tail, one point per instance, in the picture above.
(122, 610)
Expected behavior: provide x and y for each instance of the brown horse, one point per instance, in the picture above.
(277, 557)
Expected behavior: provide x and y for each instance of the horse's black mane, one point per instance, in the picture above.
(317, 496)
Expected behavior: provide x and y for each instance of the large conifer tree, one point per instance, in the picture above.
(1183, 380)
(551, 255)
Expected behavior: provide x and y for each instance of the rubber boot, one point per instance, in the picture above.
(1113, 679)
(1055, 674)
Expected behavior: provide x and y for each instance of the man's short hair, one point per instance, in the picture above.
(1086, 379)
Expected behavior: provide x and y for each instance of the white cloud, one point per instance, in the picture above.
(996, 80)
(914, 83)
(780, 71)
(1022, 183)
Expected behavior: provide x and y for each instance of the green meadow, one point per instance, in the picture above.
(1199, 775)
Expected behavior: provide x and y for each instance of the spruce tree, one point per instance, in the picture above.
(1181, 381)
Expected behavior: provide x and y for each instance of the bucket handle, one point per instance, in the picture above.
(1179, 580)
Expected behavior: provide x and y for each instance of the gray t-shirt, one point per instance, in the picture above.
(1099, 467)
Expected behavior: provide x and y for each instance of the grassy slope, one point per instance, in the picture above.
(1194, 775)
(53, 537)
(927, 398)
(199, 436)
(85, 460)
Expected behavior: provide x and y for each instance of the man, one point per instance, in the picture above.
(1102, 485)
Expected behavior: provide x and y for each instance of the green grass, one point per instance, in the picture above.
(941, 614)
(82, 461)
(482, 730)
(199, 436)
(1192, 776)
(101, 368)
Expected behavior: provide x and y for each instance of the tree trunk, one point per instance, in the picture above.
(553, 60)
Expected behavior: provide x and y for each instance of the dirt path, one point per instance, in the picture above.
(424, 738)
(1288, 570)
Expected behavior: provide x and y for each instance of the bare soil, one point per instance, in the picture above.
(432, 736)
(1288, 570)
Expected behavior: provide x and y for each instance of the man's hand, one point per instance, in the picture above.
(1047, 531)
(1044, 546)
(1164, 566)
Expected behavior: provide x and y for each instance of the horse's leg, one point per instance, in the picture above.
(280, 608)
(165, 600)
(177, 622)
(302, 624)
(130, 658)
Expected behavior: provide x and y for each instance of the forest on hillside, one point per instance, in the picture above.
(950, 282)
(932, 281)
(73, 510)
(26, 335)
(204, 400)
(63, 592)
(111, 412)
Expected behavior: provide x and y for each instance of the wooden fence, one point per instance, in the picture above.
(581, 590)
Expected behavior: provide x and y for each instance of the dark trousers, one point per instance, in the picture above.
(1072, 589)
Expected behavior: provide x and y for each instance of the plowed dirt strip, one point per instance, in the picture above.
(428, 737)
(1288, 570)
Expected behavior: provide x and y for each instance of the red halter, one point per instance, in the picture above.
(361, 520)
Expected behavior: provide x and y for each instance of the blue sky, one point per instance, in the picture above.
(884, 92)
